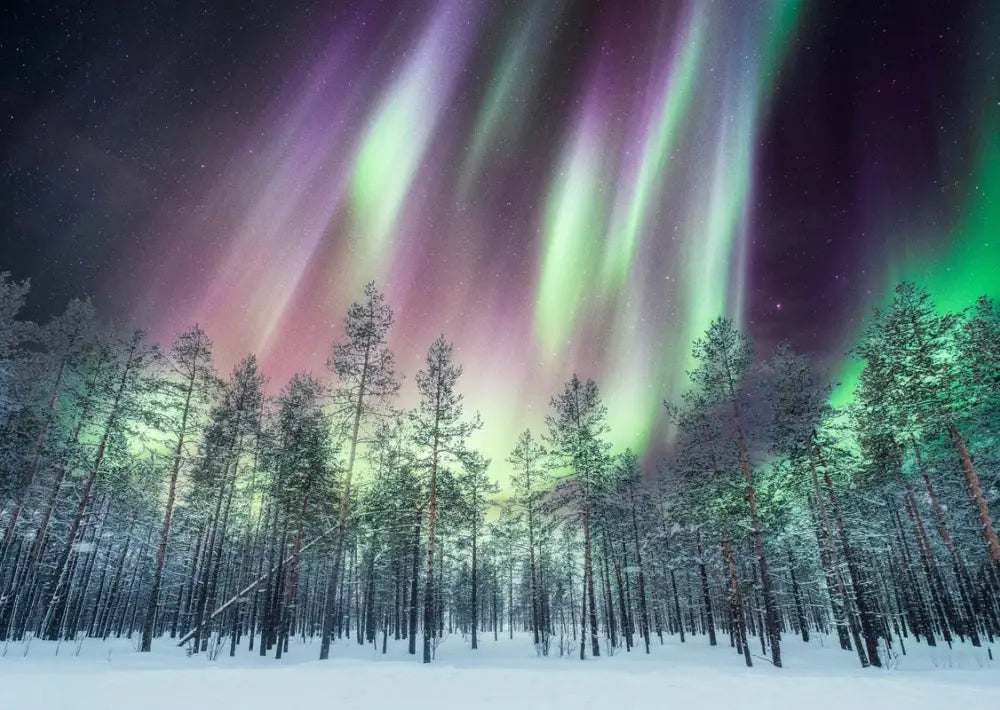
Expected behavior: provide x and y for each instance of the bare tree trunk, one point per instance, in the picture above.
(413, 590)
(588, 572)
(475, 579)
(797, 596)
(706, 596)
(429, 584)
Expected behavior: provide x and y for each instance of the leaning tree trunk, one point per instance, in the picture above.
(342, 513)
(976, 492)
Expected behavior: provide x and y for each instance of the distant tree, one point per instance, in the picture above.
(506, 535)
(476, 490)
(396, 501)
(628, 480)
(13, 333)
(528, 467)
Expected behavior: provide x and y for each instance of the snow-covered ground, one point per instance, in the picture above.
(98, 675)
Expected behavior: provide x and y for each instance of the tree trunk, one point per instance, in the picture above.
(797, 596)
(588, 572)
(738, 629)
(976, 492)
(770, 611)
(706, 596)
(475, 580)
(865, 612)
(429, 583)
(413, 590)
(161, 553)
(345, 502)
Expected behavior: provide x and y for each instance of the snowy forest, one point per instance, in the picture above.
(146, 495)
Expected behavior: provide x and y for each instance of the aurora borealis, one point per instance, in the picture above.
(559, 187)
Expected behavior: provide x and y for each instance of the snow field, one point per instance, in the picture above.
(96, 675)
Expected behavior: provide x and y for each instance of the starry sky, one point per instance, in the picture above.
(559, 186)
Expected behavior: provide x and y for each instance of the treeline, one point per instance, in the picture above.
(145, 496)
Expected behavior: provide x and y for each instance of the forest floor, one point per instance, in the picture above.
(112, 675)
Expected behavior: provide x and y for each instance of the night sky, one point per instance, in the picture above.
(559, 187)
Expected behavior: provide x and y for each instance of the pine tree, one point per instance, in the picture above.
(187, 393)
(975, 369)
(367, 381)
(64, 345)
(301, 463)
(528, 462)
(706, 497)
(799, 407)
(724, 355)
(125, 389)
(475, 489)
(909, 342)
(577, 426)
(234, 423)
(440, 431)
(975, 399)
